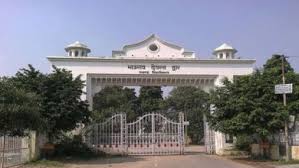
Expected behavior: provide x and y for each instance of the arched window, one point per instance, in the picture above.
(220, 55)
(76, 53)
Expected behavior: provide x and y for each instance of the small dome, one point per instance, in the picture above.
(77, 45)
(225, 51)
(77, 49)
(223, 47)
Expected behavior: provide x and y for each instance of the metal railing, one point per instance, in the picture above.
(13, 151)
(150, 134)
(293, 138)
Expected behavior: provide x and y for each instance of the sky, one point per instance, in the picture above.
(31, 30)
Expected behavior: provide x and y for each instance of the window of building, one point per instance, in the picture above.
(153, 47)
(82, 53)
(76, 53)
(220, 55)
(227, 55)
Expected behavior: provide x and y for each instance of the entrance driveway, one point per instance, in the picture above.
(194, 158)
(175, 161)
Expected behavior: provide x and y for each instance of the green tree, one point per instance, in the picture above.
(114, 99)
(60, 92)
(62, 104)
(193, 102)
(249, 106)
(150, 99)
(29, 79)
(273, 68)
(19, 110)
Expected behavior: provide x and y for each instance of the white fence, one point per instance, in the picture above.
(13, 151)
(293, 138)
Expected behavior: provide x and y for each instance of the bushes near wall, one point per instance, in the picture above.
(73, 146)
(243, 143)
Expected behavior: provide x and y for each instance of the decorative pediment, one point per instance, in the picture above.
(153, 48)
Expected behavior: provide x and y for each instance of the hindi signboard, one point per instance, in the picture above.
(283, 88)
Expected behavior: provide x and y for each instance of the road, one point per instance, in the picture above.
(175, 161)
(194, 158)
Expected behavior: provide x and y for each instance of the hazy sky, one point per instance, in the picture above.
(30, 30)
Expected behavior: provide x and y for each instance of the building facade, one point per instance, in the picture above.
(153, 62)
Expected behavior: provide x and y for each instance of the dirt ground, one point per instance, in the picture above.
(175, 161)
(194, 158)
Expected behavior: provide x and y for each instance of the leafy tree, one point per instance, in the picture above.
(62, 105)
(113, 99)
(249, 106)
(19, 110)
(273, 68)
(29, 79)
(194, 103)
(150, 99)
(60, 92)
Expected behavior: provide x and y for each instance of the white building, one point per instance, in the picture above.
(153, 62)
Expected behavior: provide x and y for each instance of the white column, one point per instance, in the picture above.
(219, 137)
(96, 87)
(89, 91)
(83, 78)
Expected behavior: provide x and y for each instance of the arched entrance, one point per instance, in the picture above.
(155, 62)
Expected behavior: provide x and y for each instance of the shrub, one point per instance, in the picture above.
(74, 147)
(243, 142)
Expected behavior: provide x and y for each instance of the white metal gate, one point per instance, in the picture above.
(108, 136)
(151, 134)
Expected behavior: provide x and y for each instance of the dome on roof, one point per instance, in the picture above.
(78, 45)
(77, 49)
(225, 51)
(225, 46)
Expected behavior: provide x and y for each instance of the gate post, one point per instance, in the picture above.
(181, 133)
(153, 134)
(123, 133)
(209, 134)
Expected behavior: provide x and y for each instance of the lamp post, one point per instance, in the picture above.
(286, 123)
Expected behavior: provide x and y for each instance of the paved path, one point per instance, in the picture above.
(175, 161)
